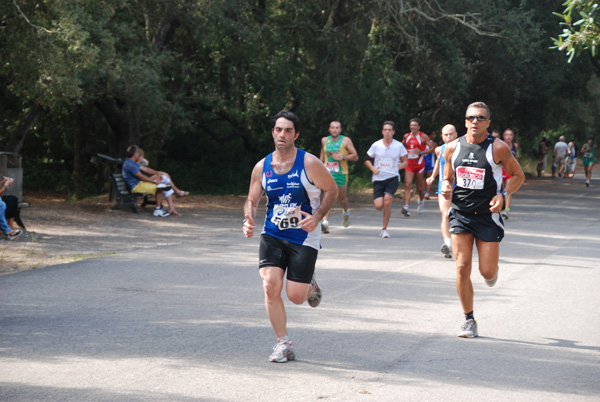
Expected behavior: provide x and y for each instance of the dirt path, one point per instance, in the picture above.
(60, 232)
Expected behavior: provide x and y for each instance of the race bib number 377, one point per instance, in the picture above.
(470, 177)
(286, 217)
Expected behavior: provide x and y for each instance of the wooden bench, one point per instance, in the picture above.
(125, 198)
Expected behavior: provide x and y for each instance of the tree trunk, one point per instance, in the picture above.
(15, 144)
(124, 128)
(78, 148)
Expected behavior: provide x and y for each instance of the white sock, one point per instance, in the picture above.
(284, 338)
(448, 242)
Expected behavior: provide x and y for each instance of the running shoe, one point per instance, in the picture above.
(160, 212)
(421, 207)
(492, 282)
(384, 234)
(282, 352)
(13, 234)
(405, 211)
(446, 251)
(504, 214)
(427, 196)
(587, 183)
(315, 298)
(469, 329)
(325, 226)
(346, 222)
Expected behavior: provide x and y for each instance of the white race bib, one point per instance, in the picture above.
(286, 217)
(333, 166)
(414, 153)
(385, 164)
(470, 177)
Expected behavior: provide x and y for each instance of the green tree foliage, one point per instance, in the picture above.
(581, 30)
(196, 82)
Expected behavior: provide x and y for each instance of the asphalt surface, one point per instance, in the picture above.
(187, 322)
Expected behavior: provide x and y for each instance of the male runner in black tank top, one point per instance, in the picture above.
(474, 164)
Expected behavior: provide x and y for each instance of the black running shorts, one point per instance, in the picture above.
(487, 227)
(385, 186)
(299, 260)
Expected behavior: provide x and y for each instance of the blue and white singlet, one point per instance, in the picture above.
(286, 194)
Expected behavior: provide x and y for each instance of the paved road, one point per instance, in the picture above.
(187, 322)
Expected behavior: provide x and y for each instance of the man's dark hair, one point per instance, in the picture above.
(132, 149)
(288, 116)
(391, 123)
(497, 130)
(415, 119)
(337, 121)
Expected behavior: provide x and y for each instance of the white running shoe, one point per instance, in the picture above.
(384, 234)
(405, 211)
(315, 298)
(446, 251)
(282, 352)
(346, 222)
(421, 207)
(161, 212)
(325, 226)
(492, 282)
(469, 329)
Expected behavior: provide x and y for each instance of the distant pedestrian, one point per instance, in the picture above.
(541, 152)
(508, 137)
(449, 134)
(336, 151)
(561, 150)
(588, 150)
(430, 159)
(417, 145)
(384, 159)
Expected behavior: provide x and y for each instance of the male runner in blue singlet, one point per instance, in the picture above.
(292, 180)
(473, 180)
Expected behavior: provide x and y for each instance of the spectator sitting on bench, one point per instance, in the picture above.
(166, 178)
(140, 183)
(6, 229)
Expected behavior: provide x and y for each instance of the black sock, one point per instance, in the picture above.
(469, 316)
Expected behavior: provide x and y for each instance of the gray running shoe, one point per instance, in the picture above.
(492, 282)
(384, 234)
(504, 214)
(346, 222)
(468, 329)
(446, 251)
(405, 211)
(421, 207)
(315, 298)
(325, 226)
(282, 352)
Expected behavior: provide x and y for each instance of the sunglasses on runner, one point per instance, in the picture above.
(478, 118)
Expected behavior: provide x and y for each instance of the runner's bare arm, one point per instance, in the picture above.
(403, 162)
(436, 166)
(323, 156)
(448, 173)
(349, 145)
(430, 144)
(503, 155)
(255, 193)
(320, 176)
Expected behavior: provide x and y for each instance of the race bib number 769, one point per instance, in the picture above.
(470, 177)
